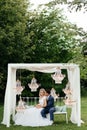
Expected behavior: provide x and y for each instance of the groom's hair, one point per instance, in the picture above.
(48, 91)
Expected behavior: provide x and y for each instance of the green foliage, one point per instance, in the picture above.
(52, 36)
(12, 25)
(13, 19)
(38, 36)
(76, 5)
(81, 56)
(80, 59)
(79, 51)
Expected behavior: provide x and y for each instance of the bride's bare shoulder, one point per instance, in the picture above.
(44, 97)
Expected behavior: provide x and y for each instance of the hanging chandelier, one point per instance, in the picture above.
(19, 88)
(58, 76)
(33, 85)
(69, 101)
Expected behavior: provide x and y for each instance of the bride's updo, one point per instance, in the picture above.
(42, 92)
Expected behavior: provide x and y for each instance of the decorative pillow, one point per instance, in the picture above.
(60, 108)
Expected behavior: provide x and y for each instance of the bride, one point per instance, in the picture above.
(32, 116)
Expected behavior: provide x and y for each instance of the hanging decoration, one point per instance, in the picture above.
(53, 93)
(58, 76)
(21, 106)
(33, 85)
(19, 88)
(69, 101)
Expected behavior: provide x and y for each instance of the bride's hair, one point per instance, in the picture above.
(42, 90)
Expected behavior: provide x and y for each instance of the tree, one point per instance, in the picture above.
(42, 35)
(81, 51)
(13, 20)
(52, 36)
(78, 5)
(52, 40)
(72, 4)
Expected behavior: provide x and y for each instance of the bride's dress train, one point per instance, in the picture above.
(32, 117)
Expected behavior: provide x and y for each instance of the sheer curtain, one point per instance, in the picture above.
(10, 97)
(74, 79)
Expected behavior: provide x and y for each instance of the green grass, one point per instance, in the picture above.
(59, 121)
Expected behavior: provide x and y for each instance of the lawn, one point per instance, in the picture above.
(59, 121)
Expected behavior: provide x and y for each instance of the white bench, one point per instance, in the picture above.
(61, 110)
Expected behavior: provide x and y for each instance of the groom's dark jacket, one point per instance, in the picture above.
(50, 102)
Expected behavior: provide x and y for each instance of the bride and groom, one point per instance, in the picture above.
(37, 115)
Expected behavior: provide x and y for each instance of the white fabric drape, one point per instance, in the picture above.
(76, 93)
(74, 79)
(10, 95)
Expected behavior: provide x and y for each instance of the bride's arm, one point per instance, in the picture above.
(44, 104)
(38, 106)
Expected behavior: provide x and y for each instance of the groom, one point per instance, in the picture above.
(49, 107)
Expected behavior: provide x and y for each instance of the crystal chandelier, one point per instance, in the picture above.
(58, 76)
(33, 85)
(69, 101)
(21, 105)
(19, 88)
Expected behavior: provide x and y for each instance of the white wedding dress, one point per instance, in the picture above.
(32, 117)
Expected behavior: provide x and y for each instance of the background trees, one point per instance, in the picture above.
(52, 36)
(39, 36)
(81, 5)
(81, 51)
(13, 19)
(52, 40)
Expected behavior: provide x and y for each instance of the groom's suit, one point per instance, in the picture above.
(49, 108)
